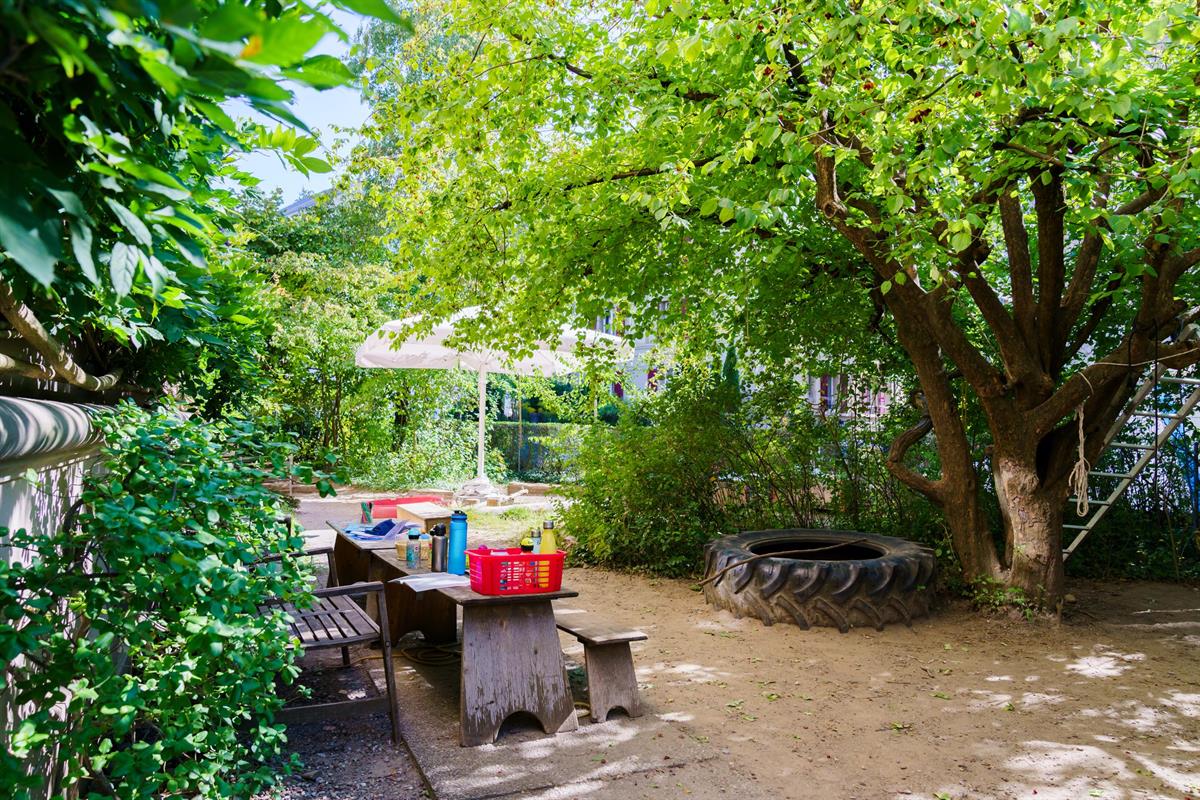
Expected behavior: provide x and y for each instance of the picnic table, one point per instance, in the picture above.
(511, 657)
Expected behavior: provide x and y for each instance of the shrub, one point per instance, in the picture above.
(646, 495)
(701, 459)
(133, 639)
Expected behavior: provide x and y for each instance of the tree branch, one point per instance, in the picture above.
(1016, 240)
(1050, 208)
(25, 369)
(23, 321)
(642, 172)
(1132, 355)
(905, 474)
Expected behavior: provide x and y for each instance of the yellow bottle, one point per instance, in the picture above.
(549, 544)
(549, 539)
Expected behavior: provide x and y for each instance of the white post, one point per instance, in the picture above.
(482, 474)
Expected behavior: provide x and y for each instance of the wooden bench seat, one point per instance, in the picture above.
(332, 621)
(336, 620)
(608, 661)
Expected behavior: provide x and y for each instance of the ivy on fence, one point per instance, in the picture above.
(136, 656)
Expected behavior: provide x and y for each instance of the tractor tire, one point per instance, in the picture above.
(847, 579)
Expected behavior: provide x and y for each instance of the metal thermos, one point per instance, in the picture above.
(437, 550)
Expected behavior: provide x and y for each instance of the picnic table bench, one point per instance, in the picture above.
(608, 661)
(511, 659)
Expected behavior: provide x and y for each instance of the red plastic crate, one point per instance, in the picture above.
(509, 570)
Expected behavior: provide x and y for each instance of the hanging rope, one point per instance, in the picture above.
(1078, 480)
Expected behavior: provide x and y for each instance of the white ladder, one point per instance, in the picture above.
(1165, 425)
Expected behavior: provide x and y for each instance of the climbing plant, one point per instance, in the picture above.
(133, 645)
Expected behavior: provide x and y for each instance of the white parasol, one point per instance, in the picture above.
(388, 349)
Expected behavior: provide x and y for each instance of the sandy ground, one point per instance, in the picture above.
(960, 706)
(1105, 704)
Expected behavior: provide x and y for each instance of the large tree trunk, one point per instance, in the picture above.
(1033, 515)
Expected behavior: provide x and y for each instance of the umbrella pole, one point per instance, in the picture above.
(482, 470)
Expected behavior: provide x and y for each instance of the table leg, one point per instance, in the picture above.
(511, 662)
(351, 563)
(431, 613)
(612, 682)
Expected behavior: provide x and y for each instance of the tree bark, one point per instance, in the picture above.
(1032, 514)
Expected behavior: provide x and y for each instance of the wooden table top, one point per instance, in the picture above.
(464, 595)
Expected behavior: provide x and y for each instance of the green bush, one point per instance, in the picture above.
(134, 643)
(702, 459)
(645, 497)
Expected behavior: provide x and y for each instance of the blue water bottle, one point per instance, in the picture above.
(457, 561)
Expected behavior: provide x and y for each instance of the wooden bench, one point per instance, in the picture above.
(608, 662)
(336, 620)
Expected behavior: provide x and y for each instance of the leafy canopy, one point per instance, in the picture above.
(118, 124)
(560, 158)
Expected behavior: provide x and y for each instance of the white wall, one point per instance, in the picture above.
(46, 448)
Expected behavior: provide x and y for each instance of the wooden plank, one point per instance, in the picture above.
(319, 712)
(423, 512)
(356, 620)
(591, 629)
(328, 624)
(464, 596)
(612, 682)
(511, 663)
(312, 626)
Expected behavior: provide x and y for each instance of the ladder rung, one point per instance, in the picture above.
(1112, 474)
(1076, 527)
(1185, 381)
(1152, 415)
(1134, 446)
(1090, 501)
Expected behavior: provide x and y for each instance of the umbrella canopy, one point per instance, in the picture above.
(387, 348)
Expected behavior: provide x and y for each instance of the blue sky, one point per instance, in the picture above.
(323, 112)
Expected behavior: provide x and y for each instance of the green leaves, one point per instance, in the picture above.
(378, 9)
(122, 267)
(116, 148)
(320, 72)
(179, 519)
(29, 240)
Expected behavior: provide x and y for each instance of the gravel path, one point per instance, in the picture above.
(350, 759)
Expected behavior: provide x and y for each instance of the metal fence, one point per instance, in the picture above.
(542, 451)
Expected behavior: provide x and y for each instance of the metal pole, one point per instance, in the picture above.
(482, 473)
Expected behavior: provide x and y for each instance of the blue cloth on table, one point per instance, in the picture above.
(387, 530)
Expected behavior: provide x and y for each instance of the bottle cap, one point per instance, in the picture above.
(548, 523)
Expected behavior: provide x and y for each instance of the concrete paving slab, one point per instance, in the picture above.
(655, 755)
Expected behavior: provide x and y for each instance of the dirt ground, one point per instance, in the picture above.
(1105, 704)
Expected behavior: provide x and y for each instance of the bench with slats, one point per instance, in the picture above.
(332, 621)
(336, 620)
(608, 661)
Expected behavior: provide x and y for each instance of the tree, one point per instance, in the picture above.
(322, 284)
(1018, 185)
(116, 171)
